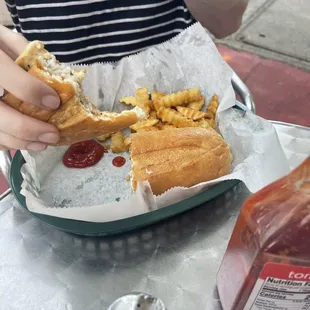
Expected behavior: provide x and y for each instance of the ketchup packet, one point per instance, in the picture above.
(267, 262)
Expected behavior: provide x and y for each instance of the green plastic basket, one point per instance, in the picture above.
(115, 227)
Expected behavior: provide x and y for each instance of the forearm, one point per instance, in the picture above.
(220, 17)
(11, 43)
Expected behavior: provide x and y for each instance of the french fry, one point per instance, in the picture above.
(173, 117)
(213, 106)
(179, 98)
(162, 114)
(151, 105)
(211, 122)
(145, 123)
(142, 95)
(129, 100)
(147, 128)
(155, 95)
(117, 143)
(153, 115)
(157, 105)
(191, 114)
(167, 126)
(206, 123)
(160, 124)
(142, 100)
(104, 137)
(197, 105)
(203, 123)
(127, 141)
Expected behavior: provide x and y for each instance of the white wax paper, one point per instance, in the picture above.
(101, 193)
(295, 141)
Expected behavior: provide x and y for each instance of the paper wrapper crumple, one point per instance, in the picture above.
(101, 193)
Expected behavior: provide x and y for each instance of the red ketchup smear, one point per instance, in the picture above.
(118, 161)
(83, 154)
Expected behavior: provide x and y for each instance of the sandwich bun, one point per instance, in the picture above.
(178, 157)
(76, 118)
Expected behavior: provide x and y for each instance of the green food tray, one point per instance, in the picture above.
(119, 226)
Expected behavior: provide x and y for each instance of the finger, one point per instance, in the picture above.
(11, 142)
(25, 86)
(3, 148)
(11, 43)
(24, 127)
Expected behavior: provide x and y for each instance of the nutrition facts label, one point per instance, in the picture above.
(281, 287)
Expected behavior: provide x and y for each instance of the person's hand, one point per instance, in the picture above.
(18, 131)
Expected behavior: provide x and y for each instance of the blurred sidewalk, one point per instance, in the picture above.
(271, 53)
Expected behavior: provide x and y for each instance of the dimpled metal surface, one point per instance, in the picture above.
(175, 260)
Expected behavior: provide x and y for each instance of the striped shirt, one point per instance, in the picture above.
(87, 31)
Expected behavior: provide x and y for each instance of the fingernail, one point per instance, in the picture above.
(36, 147)
(50, 102)
(49, 137)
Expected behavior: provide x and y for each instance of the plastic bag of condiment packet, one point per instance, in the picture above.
(267, 262)
(101, 193)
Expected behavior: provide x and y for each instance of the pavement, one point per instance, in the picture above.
(271, 54)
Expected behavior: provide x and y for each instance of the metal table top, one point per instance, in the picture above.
(175, 260)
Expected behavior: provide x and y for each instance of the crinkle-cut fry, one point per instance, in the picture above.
(206, 123)
(155, 95)
(117, 142)
(153, 115)
(215, 97)
(180, 98)
(142, 99)
(145, 123)
(104, 137)
(209, 115)
(213, 106)
(147, 128)
(146, 108)
(142, 95)
(127, 141)
(203, 123)
(130, 100)
(191, 114)
(211, 122)
(167, 126)
(197, 105)
(151, 106)
(160, 124)
(157, 105)
(175, 118)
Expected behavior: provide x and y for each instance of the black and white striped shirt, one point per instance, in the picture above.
(87, 31)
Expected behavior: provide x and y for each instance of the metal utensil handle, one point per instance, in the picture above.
(244, 93)
(240, 88)
(5, 164)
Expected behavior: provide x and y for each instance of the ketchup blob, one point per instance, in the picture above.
(118, 161)
(83, 154)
